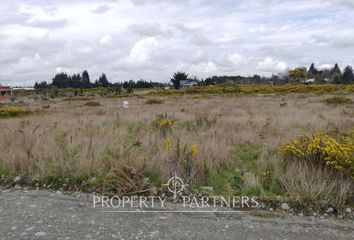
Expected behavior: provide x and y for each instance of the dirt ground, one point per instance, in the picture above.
(52, 215)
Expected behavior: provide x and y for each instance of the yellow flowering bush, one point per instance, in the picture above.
(13, 112)
(163, 122)
(259, 89)
(334, 150)
(194, 149)
(168, 144)
(182, 158)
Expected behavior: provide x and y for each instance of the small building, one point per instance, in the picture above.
(5, 93)
(187, 83)
(311, 80)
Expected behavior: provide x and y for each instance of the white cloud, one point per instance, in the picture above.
(105, 39)
(147, 29)
(325, 66)
(143, 51)
(201, 69)
(37, 33)
(269, 65)
(153, 38)
(237, 59)
(341, 39)
(101, 9)
(349, 3)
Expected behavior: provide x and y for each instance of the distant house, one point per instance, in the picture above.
(5, 93)
(187, 83)
(311, 80)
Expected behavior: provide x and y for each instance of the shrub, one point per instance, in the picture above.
(13, 112)
(332, 150)
(259, 89)
(338, 100)
(163, 122)
(92, 104)
(77, 99)
(182, 159)
(319, 168)
(306, 182)
(154, 101)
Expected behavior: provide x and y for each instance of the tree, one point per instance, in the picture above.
(336, 74)
(76, 81)
(298, 74)
(177, 78)
(312, 73)
(348, 76)
(60, 80)
(102, 81)
(85, 79)
(40, 85)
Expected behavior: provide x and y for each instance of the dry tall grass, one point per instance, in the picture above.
(116, 146)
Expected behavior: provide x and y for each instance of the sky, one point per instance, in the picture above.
(151, 39)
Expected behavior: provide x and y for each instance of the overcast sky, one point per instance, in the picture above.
(150, 39)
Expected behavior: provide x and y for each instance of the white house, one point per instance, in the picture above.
(311, 80)
(187, 83)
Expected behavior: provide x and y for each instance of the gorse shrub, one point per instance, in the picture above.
(13, 112)
(338, 100)
(163, 122)
(259, 89)
(332, 150)
(77, 99)
(154, 101)
(92, 104)
(182, 159)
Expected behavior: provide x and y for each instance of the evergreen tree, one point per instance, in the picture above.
(336, 74)
(41, 85)
(85, 79)
(60, 80)
(102, 81)
(312, 73)
(76, 81)
(348, 76)
(177, 78)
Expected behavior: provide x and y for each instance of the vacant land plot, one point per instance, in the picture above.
(228, 143)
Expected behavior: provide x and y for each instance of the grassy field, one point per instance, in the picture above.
(230, 143)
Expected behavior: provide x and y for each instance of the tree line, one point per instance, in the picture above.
(298, 75)
(333, 75)
(64, 80)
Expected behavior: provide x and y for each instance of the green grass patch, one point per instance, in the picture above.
(338, 100)
(92, 104)
(190, 126)
(245, 156)
(258, 89)
(154, 177)
(225, 181)
(154, 101)
(77, 99)
(13, 112)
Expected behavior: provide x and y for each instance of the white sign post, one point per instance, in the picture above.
(125, 104)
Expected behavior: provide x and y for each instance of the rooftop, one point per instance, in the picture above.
(3, 88)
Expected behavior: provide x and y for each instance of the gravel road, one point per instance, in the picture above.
(51, 215)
